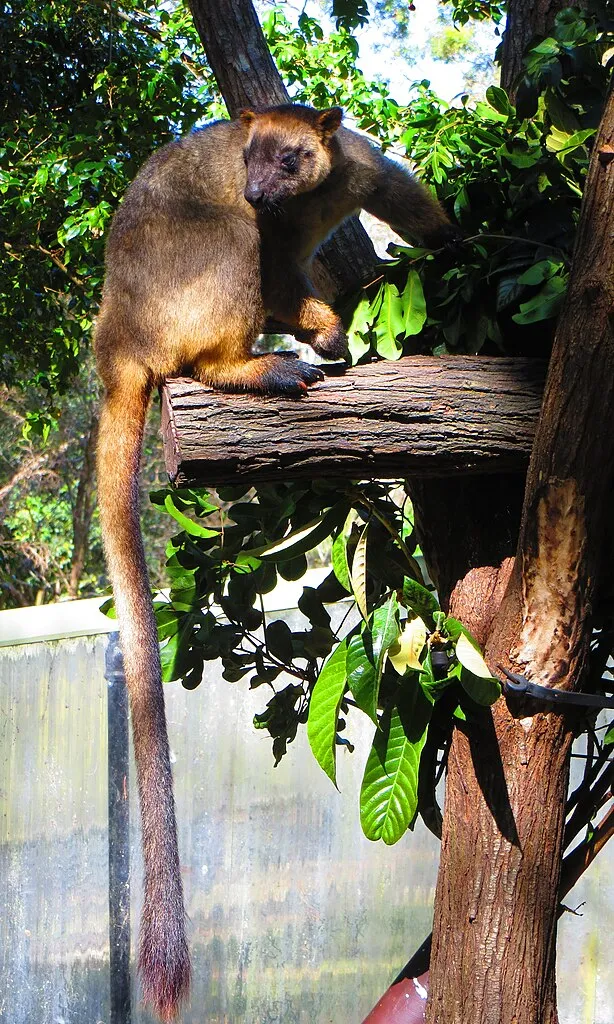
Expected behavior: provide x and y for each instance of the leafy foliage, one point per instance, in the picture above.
(513, 183)
(229, 560)
(87, 95)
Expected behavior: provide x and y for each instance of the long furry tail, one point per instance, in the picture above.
(164, 961)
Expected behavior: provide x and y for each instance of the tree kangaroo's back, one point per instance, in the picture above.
(215, 234)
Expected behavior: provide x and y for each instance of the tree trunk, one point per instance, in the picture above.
(526, 20)
(246, 74)
(496, 904)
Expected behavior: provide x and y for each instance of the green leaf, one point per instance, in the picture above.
(482, 691)
(419, 599)
(175, 657)
(414, 305)
(540, 272)
(189, 525)
(358, 342)
(384, 628)
(454, 628)
(358, 577)
(340, 561)
(545, 304)
(608, 739)
(489, 113)
(367, 656)
(498, 99)
(389, 792)
(561, 142)
(324, 710)
(362, 677)
(304, 539)
(389, 323)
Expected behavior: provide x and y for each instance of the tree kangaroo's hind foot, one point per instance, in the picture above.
(275, 374)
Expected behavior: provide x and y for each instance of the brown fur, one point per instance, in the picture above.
(217, 231)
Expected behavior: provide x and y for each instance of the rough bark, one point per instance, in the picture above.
(526, 20)
(420, 415)
(246, 74)
(496, 904)
(482, 532)
(495, 909)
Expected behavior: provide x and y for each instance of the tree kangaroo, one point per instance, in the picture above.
(216, 232)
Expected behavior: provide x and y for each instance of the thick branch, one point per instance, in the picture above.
(566, 504)
(420, 416)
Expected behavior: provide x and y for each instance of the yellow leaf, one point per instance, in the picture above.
(359, 574)
(471, 659)
(405, 652)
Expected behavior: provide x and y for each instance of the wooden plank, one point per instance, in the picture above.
(421, 416)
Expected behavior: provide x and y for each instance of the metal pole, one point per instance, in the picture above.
(119, 834)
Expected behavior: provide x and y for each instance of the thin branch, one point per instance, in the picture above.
(35, 465)
(13, 251)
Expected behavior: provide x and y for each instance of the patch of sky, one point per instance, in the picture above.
(401, 64)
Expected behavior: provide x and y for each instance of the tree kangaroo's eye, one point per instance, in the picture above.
(289, 162)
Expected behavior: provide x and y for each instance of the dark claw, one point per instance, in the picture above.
(290, 377)
(310, 373)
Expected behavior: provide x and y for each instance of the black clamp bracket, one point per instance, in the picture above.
(518, 685)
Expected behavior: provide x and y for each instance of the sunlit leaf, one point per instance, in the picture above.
(471, 659)
(414, 305)
(404, 653)
(324, 710)
(358, 576)
(389, 792)
(362, 676)
(191, 526)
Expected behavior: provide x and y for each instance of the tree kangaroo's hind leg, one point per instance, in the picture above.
(226, 360)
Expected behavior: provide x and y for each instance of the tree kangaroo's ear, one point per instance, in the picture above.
(328, 121)
(247, 117)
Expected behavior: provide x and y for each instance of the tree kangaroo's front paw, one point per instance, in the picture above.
(448, 236)
(331, 341)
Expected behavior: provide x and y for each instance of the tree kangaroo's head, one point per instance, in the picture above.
(287, 151)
